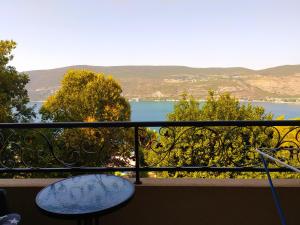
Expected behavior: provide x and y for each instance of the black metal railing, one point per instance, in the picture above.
(186, 146)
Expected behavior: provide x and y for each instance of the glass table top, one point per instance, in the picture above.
(86, 194)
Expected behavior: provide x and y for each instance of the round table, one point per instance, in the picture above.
(85, 197)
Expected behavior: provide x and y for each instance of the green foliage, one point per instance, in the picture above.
(13, 95)
(223, 107)
(88, 96)
(287, 137)
(209, 146)
(187, 109)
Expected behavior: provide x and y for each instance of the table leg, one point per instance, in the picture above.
(88, 221)
(96, 220)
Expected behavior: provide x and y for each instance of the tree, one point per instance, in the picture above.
(222, 107)
(87, 96)
(13, 108)
(209, 146)
(13, 95)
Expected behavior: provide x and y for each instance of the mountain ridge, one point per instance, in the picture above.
(162, 82)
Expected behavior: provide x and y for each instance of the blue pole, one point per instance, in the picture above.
(274, 193)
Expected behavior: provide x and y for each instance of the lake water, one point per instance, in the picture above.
(157, 110)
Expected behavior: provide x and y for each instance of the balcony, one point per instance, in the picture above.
(161, 200)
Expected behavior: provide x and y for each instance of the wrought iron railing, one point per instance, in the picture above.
(186, 146)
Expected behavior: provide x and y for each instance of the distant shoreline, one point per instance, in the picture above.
(201, 100)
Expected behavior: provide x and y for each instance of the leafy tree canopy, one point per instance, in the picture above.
(208, 146)
(222, 107)
(13, 95)
(87, 96)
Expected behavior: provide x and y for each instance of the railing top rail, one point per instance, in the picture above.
(128, 124)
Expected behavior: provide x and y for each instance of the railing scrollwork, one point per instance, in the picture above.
(176, 146)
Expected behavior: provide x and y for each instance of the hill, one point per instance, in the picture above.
(285, 70)
(168, 82)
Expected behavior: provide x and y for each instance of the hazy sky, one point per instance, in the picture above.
(211, 33)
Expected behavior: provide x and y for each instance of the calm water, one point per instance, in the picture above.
(157, 111)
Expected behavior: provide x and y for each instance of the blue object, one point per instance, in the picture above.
(10, 219)
(274, 193)
(85, 195)
(6, 216)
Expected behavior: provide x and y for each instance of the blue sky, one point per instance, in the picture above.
(212, 33)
